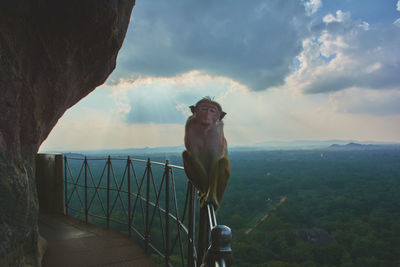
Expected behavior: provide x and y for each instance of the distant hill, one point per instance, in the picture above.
(300, 144)
(264, 146)
(74, 155)
(357, 146)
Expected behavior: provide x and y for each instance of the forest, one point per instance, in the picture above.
(319, 207)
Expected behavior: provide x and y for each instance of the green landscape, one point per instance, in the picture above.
(338, 206)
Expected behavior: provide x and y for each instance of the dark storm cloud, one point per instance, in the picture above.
(253, 42)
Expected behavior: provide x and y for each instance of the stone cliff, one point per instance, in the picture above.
(52, 54)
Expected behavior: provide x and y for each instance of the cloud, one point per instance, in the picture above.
(252, 116)
(397, 22)
(343, 53)
(340, 17)
(253, 43)
(167, 100)
(312, 6)
(363, 101)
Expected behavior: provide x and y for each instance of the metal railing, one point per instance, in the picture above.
(148, 206)
(214, 250)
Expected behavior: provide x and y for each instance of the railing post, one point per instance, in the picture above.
(203, 235)
(191, 226)
(166, 214)
(212, 220)
(66, 184)
(220, 253)
(108, 191)
(147, 229)
(128, 164)
(86, 206)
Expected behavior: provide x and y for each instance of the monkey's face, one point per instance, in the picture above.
(207, 114)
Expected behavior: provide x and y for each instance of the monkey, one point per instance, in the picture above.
(205, 159)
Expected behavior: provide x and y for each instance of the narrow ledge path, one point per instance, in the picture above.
(72, 242)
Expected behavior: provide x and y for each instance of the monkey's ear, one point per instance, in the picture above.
(192, 109)
(222, 115)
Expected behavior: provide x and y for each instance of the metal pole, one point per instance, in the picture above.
(86, 207)
(147, 229)
(129, 195)
(108, 191)
(203, 235)
(211, 215)
(220, 252)
(166, 214)
(66, 184)
(191, 222)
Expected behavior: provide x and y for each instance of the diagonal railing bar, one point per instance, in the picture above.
(86, 207)
(131, 213)
(118, 190)
(186, 202)
(108, 191)
(167, 249)
(148, 168)
(128, 165)
(75, 184)
(159, 212)
(96, 191)
(165, 237)
(192, 252)
(157, 207)
(98, 187)
(138, 195)
(177, 216)
(184, 211)
(133, 169)
(66, 186)
(147, 229)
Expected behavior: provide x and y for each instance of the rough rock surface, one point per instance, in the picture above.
(52, 53)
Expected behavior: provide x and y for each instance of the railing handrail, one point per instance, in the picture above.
(132, 159)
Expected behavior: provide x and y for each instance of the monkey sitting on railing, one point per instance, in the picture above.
(206, 156)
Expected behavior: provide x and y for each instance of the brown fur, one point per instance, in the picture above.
(206, 157)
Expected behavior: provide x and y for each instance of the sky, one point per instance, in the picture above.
(282, 71)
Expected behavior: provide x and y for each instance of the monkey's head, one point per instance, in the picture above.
(207, 111)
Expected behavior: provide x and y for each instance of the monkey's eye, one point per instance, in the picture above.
(213, 110)
(204, 108)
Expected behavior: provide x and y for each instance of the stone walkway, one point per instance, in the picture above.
(72, 242)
